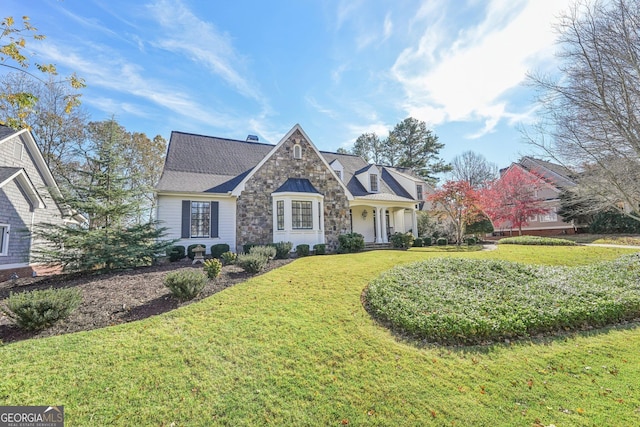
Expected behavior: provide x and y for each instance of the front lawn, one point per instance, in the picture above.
(296, 347)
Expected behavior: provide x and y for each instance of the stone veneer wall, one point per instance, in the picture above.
(255, 207)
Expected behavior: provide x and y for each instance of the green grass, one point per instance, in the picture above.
(536, 240)
(616, 239)
(296, 347)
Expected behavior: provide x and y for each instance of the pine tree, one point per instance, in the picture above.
(105, 194)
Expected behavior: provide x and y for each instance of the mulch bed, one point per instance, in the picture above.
(114, 298)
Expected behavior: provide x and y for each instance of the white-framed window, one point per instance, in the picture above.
(4, 239)
(419, 192)
(18, 148)
(280, 214)
(200, 219)
(339, 173)
(373, 182)
(297, 151)
(301, 215)
(532, 218)
(550, 216)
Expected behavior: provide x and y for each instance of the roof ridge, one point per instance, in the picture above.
(222, 138)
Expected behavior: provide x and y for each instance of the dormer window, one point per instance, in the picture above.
(297, 151)
(373, 180)
(339, 173)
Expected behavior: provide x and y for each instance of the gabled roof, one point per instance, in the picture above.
(8, 174)
(554, 174)
(198, 163)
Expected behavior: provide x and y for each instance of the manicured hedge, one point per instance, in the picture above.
(536, 240)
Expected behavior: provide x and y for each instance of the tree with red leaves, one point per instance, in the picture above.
(458, 201)
(512, 199)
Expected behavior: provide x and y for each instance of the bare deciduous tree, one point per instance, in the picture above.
(473, 168)
(589, 118)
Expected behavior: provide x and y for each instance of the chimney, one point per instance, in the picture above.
(252, 138)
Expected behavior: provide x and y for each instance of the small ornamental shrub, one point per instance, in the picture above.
(302, 250)
(190, 248)
(442, 241)
(176, 253)
(251, 263)
(39, 309)
(219, 249)
(268, 252)
(536, 240)
(320, 249)
(228, 258)
(246, 248)
(185, 284)
(402, 240)
(350, 242)
(283, 249)
(212, 267)
(470, 241)
(426, 241)
(417, 243)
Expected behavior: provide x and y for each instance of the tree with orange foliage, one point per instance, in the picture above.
(458, 201)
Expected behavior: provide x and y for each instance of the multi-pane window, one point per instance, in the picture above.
(373, 179)
(4, 239)
(339, 173)
(301, 215)
(550, 216)
(200, 219)
(280, 214)
(419, 191)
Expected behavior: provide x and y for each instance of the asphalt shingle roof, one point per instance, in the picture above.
(297, 185)
(6, 131)
(6, 172)
(198, 163)
(556, 174)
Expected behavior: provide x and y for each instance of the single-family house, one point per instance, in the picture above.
(26, 190)
(216, 190)
(556, 178)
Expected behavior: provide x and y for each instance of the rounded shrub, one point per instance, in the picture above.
(176, 253)
(252, 263)
(218, 249)
(470, 241)
(470, 301)
(426, 241)
(319, 249)
(442, 241)
(212, 267)
(536, 240)
(417, 243)
(185, 284)
(302, 250)
(36, 310)
(283, 249)
(268, 252)
(350, 242)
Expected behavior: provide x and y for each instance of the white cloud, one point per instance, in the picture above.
(465, 79)
(387, 27)
(203, 43)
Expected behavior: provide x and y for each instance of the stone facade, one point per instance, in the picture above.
(255, 209)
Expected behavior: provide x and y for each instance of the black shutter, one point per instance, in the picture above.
(214, 219)
(186, 219)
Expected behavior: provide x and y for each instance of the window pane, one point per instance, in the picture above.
(200, 219)
(302, 217)
(280, 214)
(2, 233)
(419, 191)
(374, 182)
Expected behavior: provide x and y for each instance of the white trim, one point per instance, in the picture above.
(25, 183)
(4, 248)
(12, 266)
(311, 236)
(240, 187)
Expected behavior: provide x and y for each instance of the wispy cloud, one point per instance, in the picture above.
(186, 34)
(319, 108)
(464, 78)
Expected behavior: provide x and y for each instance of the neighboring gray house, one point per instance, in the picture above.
(26, 184)
(215, 190)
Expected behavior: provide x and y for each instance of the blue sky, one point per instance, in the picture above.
(338, 67)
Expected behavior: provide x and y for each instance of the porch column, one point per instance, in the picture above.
(378, 223)
(384, 225)
(414, 217)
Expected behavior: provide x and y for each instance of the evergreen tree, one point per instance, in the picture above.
(111, 238)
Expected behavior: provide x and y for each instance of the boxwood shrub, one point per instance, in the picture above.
(350, 242)
(402, 240)
(176, 253)
(219, 249)
(536, 240)
(39, 309)
(283, 249)
(302, 250)
(252, 263)
(442, 241)
(417, 243)
(320, 249)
